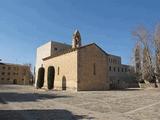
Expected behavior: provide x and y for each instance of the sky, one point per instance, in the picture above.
(27, 24)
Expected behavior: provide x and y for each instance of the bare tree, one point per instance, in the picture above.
(137, 60)
(144, 38)
(147, 71)
(157, 51)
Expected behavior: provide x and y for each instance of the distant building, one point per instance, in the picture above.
(120, 75)
(77, 67)
(15, 74)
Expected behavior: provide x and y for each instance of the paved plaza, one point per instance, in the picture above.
(27, 103)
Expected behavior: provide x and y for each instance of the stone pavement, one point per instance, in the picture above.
(26, 103)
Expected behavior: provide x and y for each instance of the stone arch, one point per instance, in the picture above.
(50, 77)
(64, 84)
(40, 78)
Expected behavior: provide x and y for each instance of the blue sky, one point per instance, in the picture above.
(27, 24)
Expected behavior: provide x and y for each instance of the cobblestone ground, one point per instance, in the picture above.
(27, 103)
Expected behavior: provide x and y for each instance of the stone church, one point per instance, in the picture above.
(77, 67)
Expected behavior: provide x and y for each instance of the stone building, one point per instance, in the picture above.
(77, 67)
(14, 74)
(120, 75)
(49, 49)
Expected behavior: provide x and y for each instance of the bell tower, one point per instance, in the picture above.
(76, 40)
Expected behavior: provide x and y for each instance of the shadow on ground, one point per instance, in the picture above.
(26, 97)
(56, 114)
(127, 89)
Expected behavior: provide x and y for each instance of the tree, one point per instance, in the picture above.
(147, 66)
(137, 60)
(157, 51)
(144, 38)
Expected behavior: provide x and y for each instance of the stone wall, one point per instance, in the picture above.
(67, 65)
(14, 74)
(92, 69)
(47, 50)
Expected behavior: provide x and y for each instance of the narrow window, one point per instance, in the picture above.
(110, 68)
(122, 69)
(94, 69)
(118, 69)
(58, 70)
(125, 69)
(114, 69)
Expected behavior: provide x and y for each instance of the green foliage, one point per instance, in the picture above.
(40, 79)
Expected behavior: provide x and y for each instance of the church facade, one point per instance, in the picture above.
(77, 67)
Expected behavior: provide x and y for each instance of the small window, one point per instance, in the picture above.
(9, 68)
(8, 73)
(118, 69)
(94, 69)
(3, 73)
(4, 67)
(110, 68)
(55, 49)
(114, 69)
(58, 71)
(125, 69)
(122, 69)
(2, 78)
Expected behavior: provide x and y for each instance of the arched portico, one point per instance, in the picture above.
(40, 78)
(50, 77)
